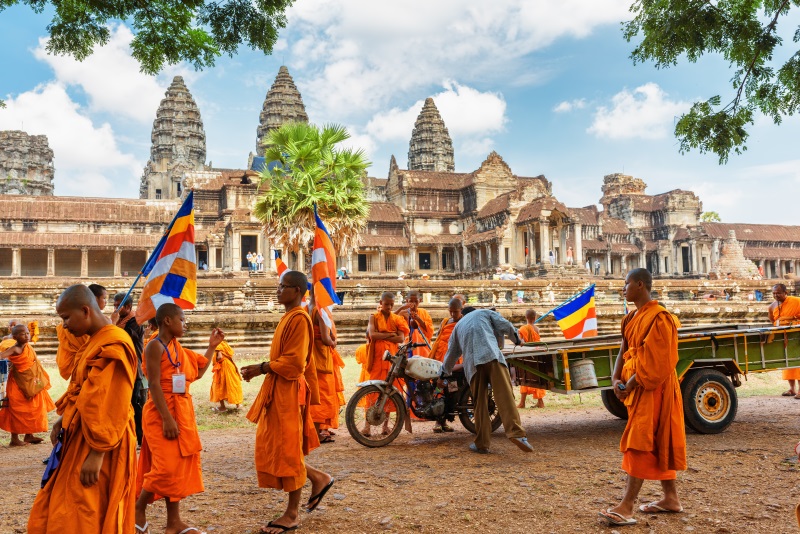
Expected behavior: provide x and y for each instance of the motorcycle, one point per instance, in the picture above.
(380, 409)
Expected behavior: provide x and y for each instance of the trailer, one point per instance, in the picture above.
(711, 363)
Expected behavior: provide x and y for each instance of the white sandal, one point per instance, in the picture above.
(145, 529)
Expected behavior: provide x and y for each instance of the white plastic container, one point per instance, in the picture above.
(423, 368)
(582, 374)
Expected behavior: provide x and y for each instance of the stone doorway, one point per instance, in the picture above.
(249, 244)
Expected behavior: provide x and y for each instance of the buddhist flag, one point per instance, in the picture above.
(279, 265)
(323, 272)
(171, 270)
(577, 317)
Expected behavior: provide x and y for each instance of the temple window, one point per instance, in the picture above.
(158, 194)
(390, 263)
(424, 260)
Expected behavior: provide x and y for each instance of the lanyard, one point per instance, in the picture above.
(176, 364)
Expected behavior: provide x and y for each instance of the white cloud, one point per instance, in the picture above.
(645, 113)
(359, 56)
(569, 105)
(111, 78)
(87, 159)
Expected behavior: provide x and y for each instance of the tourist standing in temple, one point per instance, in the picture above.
(26, 391)
(530, 334)
(785, 311)
(597, 267)
(226, 384)
(124, 318)
(653, 444)
(418, 320)
(169, 464)
(477, 338)
(285, 432)
(91, 490)
(249, 261)
(259, 262)
(570, 257)
(552, 258)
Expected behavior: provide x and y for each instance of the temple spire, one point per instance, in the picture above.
(282, 104)
(431, 148)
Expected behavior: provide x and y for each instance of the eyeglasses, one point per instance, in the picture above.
(282, 287)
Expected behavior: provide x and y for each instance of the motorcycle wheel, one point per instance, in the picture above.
(466, 408)
(358, 417)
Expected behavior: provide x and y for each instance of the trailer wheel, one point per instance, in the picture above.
(709, 401)
(613, 404)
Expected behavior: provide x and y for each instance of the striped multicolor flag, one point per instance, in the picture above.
(171, 270)
(323, 272)
(577, 317)
(279, 265)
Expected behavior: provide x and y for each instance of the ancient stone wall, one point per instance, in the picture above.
(26, 164)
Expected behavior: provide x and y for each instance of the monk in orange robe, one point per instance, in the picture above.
(530, 334)
(439, 349)
(385, 331)
(419, 319)
(226, 384)
(92, 488)
(68, 346)
(285, 432)
(25, 414)
(653, 445)
(785, 311)
(361, 358)
(169, 462)
(327, 411)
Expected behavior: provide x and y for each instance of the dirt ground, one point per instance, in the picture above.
(738, 481)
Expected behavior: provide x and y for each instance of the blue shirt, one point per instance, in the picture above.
(478, 337)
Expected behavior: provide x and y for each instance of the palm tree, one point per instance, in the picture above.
(304, 167)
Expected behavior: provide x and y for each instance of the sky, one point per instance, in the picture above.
(547, 84)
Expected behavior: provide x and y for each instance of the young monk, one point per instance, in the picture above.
(327, 411)
(285, 432)
(419, 319)
(92, 488)
(169, 463)
(529, 334)
(653, 445)
(439, 349)
(26, 412)
(785, 311)
(385, 331)
(226, 384)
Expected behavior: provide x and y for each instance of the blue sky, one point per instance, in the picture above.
(548, 85)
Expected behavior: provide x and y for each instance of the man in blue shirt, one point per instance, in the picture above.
(478, 336)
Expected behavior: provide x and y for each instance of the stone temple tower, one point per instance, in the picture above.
(178, 144)
(26, 164)
(283, 104)
(431, 148)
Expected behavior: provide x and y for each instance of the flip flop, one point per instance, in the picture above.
(318, 497)
(658, 509)
(145, 529)
(618, 520)
(282, 527)
(787, 394)
(190, 529)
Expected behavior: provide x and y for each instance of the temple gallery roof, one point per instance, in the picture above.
(496, 205)
(442, 181)
(534, 210)
(125, 210)
(752, 232)
(385, 212)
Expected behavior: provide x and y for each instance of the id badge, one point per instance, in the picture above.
(179, 383)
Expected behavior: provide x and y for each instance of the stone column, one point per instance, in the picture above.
(530, 244)
(608, 261)
(623, 264)
(413, 259)
(544, 240)
(489, 259)
(439, 249)
(779, 265)
(84, 262)
(51, 262)
(577, 252)
(381, 260)
(16, 262)
(693, 254)
(562, 245)
(117, 262)
(350, 264)
(456, 260)
(467, 260)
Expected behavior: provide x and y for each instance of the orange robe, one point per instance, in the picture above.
(68, 346)
(439, 347)
(787, 314)
(361, 358)
(338, 365)
(654, 441)
(285, 432)
(7, 344)
(96, 414)
(377, 368)
(33, 330)
(327, 411)
(427, 328)
(529, 335)
(24, 415)
(227, 383)
(171, 467)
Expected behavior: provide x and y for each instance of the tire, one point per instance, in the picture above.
(353, 411)
(614, 406)
(709, 401)
(466, 407)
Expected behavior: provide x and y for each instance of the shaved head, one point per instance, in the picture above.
(296, 279)
(167, 309)
(387, 295)
(779, 287)
(97, 290)
(13, 322)
(76, 297)
(643, 276)
(530, 315)
(413, 293)
(455, 304)
(460, 297)
(18, 328)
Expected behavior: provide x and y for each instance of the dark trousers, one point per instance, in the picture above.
(496, 374)
(137, 401)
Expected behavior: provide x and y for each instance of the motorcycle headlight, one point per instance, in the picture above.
(387, 356)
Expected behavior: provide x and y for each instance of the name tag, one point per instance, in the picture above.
(179, 383)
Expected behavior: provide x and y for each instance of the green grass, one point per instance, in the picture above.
(757, 384)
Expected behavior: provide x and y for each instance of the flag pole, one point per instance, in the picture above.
(573, 297)
(157, 249)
